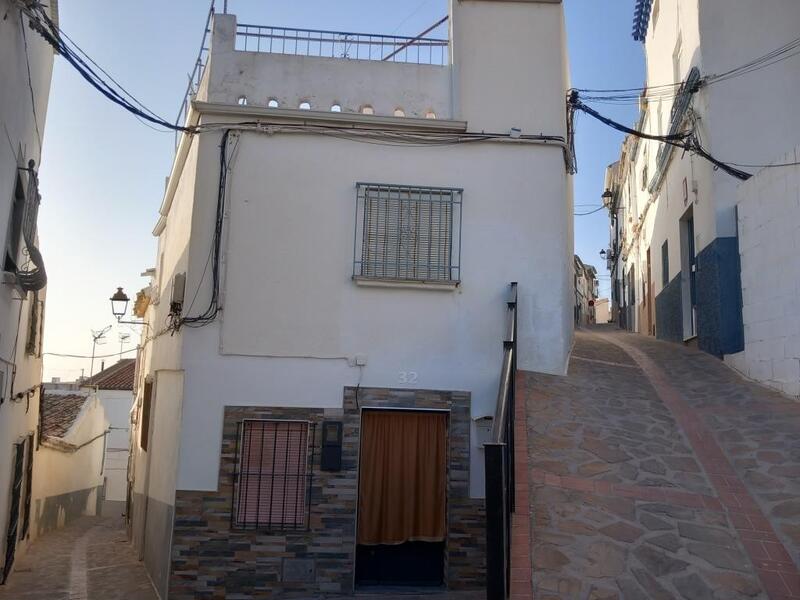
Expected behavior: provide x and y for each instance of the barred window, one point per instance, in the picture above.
(407, 233)
(272, 480)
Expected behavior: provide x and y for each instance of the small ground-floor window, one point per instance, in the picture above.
(272, 475)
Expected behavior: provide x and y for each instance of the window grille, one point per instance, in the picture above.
(272, 477)
(407, 233)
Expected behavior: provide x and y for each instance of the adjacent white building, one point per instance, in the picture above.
(675, 247)
(768, 208)
(114, 389)
(26, 64)
(586, 292)
(337, 238)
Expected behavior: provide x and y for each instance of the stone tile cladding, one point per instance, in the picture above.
(210, 560)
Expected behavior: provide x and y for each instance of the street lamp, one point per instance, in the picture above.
(119, 306)
(607, 196)
(119, 303)
(603, 254)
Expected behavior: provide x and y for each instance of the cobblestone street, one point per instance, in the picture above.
(657, 472)
(90, 559)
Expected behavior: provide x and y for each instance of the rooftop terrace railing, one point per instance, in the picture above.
(196, 75)
(347, 45)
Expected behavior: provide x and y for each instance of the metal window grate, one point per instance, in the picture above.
(407, 233)
(272, 478)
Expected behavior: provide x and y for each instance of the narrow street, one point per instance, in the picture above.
(657, 472)
(90, 559)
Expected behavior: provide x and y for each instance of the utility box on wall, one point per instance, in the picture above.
(331, 446)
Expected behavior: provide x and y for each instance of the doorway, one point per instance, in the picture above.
(14, 507)
(402, 498)
(688, 276)
(648, 297)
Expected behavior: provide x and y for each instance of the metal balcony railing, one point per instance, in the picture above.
(346, 45)
(499, 457)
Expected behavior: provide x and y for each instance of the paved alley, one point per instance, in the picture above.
(656, 472)
(90, 559)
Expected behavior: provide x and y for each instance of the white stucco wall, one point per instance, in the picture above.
(769, 229)
(715, 36)
(20, 142)
(117, 405)
(57, 472)
(750, 120)
(322, 82)
(293, 319)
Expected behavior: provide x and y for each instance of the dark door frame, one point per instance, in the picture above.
(358, 478)
(13, 509)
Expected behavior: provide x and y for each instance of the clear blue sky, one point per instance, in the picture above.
(103, 171)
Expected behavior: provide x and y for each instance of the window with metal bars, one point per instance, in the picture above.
(407, 233)
(272, 478)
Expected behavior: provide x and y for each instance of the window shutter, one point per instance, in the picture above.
(144, 426)
(409, 233)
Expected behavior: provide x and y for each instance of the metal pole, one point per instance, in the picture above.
(91, 367)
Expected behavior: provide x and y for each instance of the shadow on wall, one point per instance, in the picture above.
(55, 512)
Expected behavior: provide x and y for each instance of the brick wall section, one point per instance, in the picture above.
(769, 227)
(209, 560)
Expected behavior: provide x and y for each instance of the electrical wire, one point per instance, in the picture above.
(60, 355)
(686, 140)
(40, 22)
(591, 212)
(785, 52)
(30, 83)
(669, 91)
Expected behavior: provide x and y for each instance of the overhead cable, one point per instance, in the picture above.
(686, 140)
(40, 22)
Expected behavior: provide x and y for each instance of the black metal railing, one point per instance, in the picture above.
(273, 474)
(344, 44)
(499, 456)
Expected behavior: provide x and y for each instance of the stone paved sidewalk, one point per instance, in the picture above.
(656, 472)
(90, 559)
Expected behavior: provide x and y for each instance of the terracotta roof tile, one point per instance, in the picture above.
(116, 377)
(59, 411)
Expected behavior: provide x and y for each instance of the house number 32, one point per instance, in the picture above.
(405, 377)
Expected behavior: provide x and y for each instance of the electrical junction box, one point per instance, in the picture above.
(483, 430)
(331, 446)
(178, 291)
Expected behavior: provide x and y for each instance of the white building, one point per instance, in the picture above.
(377, 196)
(68, 470)
(26, 63)
(114, 390)
(769, 226)
(674, 251)
(586, 292)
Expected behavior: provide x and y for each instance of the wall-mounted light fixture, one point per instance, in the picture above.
(119, 306)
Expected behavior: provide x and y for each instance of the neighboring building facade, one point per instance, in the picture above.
(769, 227)
(602, 311)
(68, 469)
(343, 282)
(26, 64)
(114, 390)
(586, 292)
(674, 250)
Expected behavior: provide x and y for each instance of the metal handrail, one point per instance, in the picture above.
(507, 371)
(499, 463)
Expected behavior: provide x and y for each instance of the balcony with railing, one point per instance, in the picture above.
(344, 45)
(321, 70)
